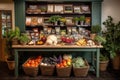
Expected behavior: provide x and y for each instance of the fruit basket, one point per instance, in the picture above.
(64, 71)
(47, 66)
(31, 66)
(47, 70)
(81, 71)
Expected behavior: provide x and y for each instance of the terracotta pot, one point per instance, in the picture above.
(11, 65)
(116, 62)
(15, 42)
(92, 35)
(103, 65)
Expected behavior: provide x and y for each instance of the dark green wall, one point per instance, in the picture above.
(96, 13)
(20, 14)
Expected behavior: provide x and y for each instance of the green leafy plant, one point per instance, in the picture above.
(24, 38)
(43, 9)
(13, 34)
(96, 29)
(78, 62)
(103, 57)
(63, 19)
(100, 39)
(54, 18)
(76, 19)
(82, 18)
(10, 36)
(112, 34)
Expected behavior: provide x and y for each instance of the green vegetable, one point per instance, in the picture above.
(78, 62)
(100, 39)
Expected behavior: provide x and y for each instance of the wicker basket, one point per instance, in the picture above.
(47, 70)
(64, 72)
(31, 71)
(82, 71)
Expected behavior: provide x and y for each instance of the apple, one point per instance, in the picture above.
(43, 39)
(63, 38)
(68, 40)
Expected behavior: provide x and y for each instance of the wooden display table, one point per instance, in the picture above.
(93, 49)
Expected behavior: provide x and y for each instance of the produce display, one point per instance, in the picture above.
(61, 63)
(33, 62)
(47, 61)
(51, 40)
(65, 61)
(67, 39)
(81, 42)
(71, 36)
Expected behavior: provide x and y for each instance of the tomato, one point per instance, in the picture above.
(58, 65)
(27, 64)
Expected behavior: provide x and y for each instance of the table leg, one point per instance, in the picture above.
(16, 63)
(97, 63)
(93, 61)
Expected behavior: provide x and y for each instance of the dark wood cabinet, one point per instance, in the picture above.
(5, 25)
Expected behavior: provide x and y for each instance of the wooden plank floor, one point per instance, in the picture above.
(6, 74)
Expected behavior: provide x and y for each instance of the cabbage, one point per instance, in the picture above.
(78, 62)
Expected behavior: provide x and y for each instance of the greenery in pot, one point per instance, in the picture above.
(103, 57)
(43, 9)
(63, 19)
(82, 18)
(96, 29)
(54, 18)
(100, 39)
(24, 39)
(10, 36)
(112, 34)
(76, 19)
(103, 62)
(79, 20)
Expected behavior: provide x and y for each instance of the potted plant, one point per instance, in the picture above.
(79, 20)
(43, 8)
(62, 21)
(112, 44)
(54, 19)
(99, 39)
(11, 36)
(76, 20)
(103, 62)
(95, 29)
(82, 19)
(24, 39)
